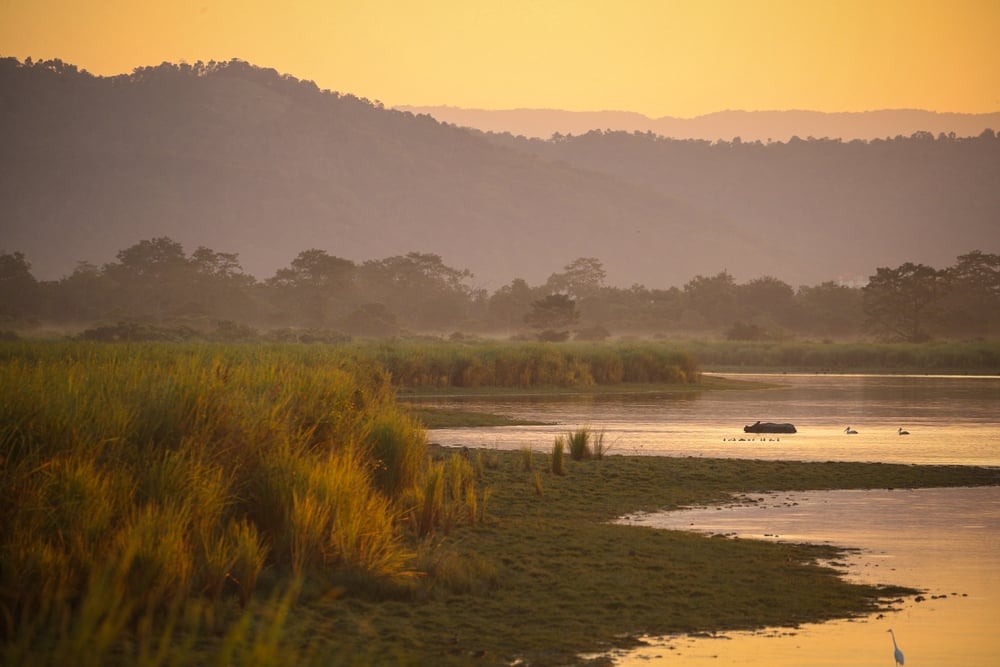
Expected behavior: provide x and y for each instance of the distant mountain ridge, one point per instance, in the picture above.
(242, 159)
(747, 125)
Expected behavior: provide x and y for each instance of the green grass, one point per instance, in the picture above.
(148, 481)
(450, 418)
(428, 365)
(976, 357)
(266, 505)
(550, 576)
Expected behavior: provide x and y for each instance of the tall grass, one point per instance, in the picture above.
(147, 481)
(579, 444)
(558, 465)
(527, 458)
(981, 357)
(519, 365)
(448, 496)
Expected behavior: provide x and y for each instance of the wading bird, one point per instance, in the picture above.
(902, 432)
(850, 431)
(896, 653)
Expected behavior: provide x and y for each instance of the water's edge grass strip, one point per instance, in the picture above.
(549, 576)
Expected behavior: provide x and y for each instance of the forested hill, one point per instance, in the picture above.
(245, 160)
(242, 159)
(764, 126)
(825, 206)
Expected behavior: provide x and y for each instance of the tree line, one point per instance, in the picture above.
(319, 296)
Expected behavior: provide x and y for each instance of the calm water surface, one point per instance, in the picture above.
(951, 420)
(943, 541)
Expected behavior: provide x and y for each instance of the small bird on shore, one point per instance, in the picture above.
(850, 431)
(896, 653)
(902, 432)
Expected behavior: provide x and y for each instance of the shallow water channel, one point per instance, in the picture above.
(951, 420)
(943, 541)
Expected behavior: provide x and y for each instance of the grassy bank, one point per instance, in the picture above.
(973, 358)
(274, 505)
(510, 365)
(153, 497)
(546, 576)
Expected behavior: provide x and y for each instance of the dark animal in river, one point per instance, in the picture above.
(902, 432)
(769, 427)
(850, 431)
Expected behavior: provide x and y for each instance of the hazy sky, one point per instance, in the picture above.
(667, 57)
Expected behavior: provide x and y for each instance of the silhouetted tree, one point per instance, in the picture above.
(420, 288)
(18, 288)
(581, 278)
(830, 309)
(713, 297)
(900, 303)
(971, 303)
(86, 295)
(150, 259)
(509, 304)
(554, 312)
(767, 299)
(315, 269)
(219, 265)
(316, 289)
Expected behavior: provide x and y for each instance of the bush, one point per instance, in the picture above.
(550, 336)
(595, 333)
(135, 331)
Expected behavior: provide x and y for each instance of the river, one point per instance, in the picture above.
(943, 541)
(950, 419)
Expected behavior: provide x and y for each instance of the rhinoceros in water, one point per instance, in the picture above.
(769, 427)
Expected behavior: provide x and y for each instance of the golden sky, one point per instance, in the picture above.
(657, 57)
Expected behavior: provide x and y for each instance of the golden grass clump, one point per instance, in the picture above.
(139, 480)
(559, 456)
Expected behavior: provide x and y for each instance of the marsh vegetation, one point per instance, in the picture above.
(224, 504)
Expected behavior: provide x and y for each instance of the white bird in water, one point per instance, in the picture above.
(896, 653)
(902, 432)
(850, 431)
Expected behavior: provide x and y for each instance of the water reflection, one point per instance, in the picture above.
(943, 541)
(952, 420)
(946, 541)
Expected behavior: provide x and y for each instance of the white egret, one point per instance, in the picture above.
(896, 653)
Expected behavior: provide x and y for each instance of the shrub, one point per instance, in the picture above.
(551, 336)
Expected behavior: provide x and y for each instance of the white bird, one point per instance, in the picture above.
(896, 653)
(850, 431)
(902, 432)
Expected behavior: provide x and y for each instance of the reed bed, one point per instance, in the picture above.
(155, 481)
(521, 365)
(173, 504)
(974, 357)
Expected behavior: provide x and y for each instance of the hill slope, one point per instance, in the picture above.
(243, 159)
(748, 125)
(826, 209)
